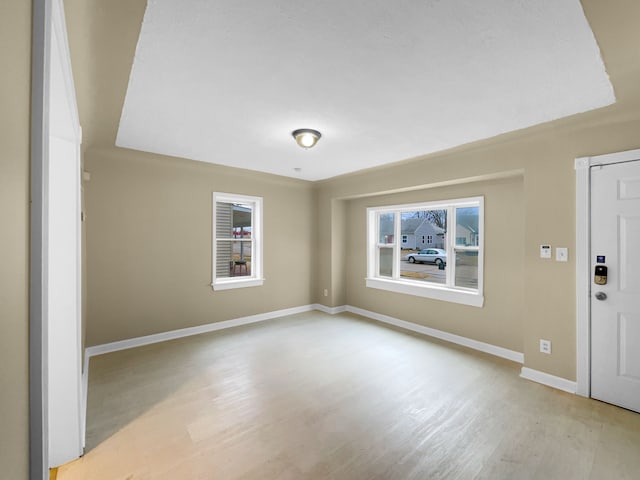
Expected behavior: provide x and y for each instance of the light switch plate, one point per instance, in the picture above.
(562, 254)
(545, 251)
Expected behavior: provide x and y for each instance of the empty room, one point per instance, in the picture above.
(320, 240)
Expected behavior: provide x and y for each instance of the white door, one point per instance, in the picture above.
(615, 307)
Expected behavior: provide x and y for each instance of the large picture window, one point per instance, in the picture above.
(237, 241)
(447, 267)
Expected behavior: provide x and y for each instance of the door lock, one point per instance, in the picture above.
(601, 296)
(600, 277)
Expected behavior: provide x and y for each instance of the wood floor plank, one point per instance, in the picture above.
(314, 396)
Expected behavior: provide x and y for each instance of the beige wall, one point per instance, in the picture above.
(546, 205)
(15, 83)
(103, 35)
(148, 227)
(149, 224)
(499, 322)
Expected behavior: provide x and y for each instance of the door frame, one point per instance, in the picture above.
(65, 444)
(583, 261)
(47, 16)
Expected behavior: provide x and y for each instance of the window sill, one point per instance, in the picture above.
(464, 297)
(237, 283)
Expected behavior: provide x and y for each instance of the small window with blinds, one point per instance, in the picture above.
(237, 241)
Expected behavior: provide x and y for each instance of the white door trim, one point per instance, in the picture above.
(46, 17)
(583, 262)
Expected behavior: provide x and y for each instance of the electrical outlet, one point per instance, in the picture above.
(545, 346)
(325, 292)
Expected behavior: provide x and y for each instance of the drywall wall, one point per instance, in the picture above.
(547, 206)
(102, 41)
(148, 223)
(15, 82)
(149, 231)
(499, 322)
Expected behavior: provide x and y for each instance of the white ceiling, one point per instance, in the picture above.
(227, 81)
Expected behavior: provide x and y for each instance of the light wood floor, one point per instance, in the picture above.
(314, 396)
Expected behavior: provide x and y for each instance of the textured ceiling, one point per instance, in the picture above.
(227, 81)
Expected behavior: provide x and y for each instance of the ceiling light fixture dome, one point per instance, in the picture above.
(306, 137)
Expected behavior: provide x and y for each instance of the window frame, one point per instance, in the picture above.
(256, 278)
(449, 292)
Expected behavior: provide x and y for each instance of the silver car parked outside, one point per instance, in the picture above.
(428, 255)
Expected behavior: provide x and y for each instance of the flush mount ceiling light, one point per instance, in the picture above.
(306, 137)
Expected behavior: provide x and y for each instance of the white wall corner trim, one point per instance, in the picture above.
(548, 380)
(186, 332)
(449, 337)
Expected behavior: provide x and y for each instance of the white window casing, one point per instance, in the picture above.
(223, 264)
(446, 292)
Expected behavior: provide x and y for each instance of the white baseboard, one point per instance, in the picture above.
(212, 327)
(548, 379)
(187, 332)
(449, 337)
(329, 310)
